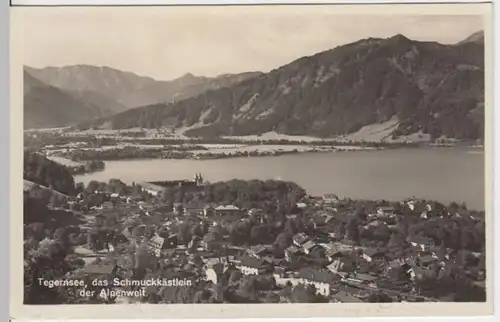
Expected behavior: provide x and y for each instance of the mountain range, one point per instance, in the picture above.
(98, 91)
(416, 87)
(46, 106)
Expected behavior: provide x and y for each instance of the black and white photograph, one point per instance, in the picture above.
(254, 155)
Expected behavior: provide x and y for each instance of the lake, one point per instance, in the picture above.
(443, 174)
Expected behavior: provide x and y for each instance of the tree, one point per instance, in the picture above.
(382, 233)
(47, 262)
(248, 288)
(213, 239)
(398, 274)
(258, 234)
(184, 234)
(143, 259)
(117, 186)
(265, 283)
(303, 294)
(240, 232)
(37, 168)
(444, 235)
(203, 296)
(80, 187)
(62, 235)
(235, 278)
(395, 240)
(199, 230)
(92, 186)
(352, 230)
(283, 241)
(361, 213)
(92, 241)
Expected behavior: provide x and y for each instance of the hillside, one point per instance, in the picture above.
(423, 87)
(42, 171)
(119, 90)
(30, 186)
(477, 37)
(46, 106)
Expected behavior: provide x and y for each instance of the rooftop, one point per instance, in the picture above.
(309, 244)
(365, 277)
(228, 207)
(252, 262)
(258, 249)
(194, 205)
(293, 249)
(373, 251)
(157, 241)
(315, 275)
(152, 186)
(300, 238)
(421, 240)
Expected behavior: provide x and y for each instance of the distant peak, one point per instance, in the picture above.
(477, 37)
(399, 38)
(188, 76)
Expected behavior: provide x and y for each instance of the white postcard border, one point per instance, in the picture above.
(20, 311)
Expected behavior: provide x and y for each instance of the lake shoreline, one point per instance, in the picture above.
(207, 152)
(451, 174)
(234, 155)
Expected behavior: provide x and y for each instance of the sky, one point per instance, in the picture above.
(168, 42)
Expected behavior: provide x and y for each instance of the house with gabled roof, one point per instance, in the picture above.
(301, 205)
(374, 255)
(258, 214)
(341, 264)
(386, 212)
(358, 279)
(194, 208)
(158, 244)
(324, 281)
(331, 198)
(333, 253)
(146, 207)
(257, 251)
(424, 243)
(252, 266)
(293, 252)
(107, 205)
(227, 210)
(300, 239)
(308, 246)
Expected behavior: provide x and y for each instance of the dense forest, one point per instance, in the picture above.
(40, 170)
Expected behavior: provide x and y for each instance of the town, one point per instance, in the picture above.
(246, 242)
